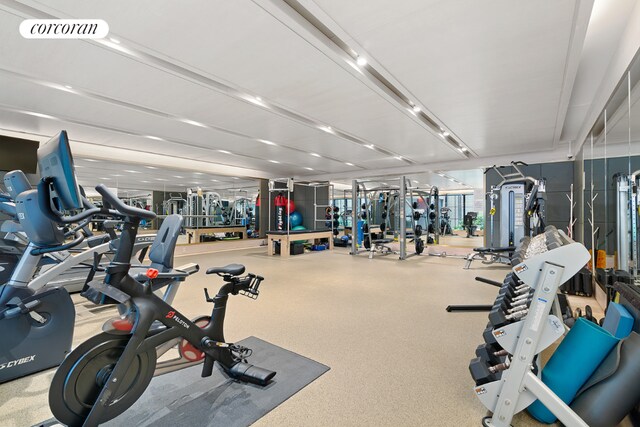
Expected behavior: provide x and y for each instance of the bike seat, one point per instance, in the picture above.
(231, 269)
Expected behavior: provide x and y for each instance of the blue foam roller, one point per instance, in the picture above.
(618, 321)
(576, 359)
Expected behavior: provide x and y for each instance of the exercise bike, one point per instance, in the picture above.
(106, 374)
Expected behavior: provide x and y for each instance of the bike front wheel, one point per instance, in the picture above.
(80, 378)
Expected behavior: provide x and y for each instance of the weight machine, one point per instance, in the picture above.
(173, 205)
(627, 199)
(523, 204)
(397, 211)
(202, 208)
(522, 213)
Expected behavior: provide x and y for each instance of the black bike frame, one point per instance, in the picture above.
(150, 308)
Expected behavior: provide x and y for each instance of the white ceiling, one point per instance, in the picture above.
(179, 87)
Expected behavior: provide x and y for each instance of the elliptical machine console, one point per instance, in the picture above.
(37, 327)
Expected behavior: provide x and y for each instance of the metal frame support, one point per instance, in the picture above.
(402, 213)
(354, 217)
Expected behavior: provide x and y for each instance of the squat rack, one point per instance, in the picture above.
(404, 191)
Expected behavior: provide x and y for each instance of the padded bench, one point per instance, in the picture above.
(380, 245)
(286, 238)
(195, 233)
(490, 255)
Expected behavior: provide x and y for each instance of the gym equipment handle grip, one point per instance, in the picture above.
(119, 205)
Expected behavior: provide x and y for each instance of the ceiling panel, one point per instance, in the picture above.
(497, 83)
(256, 52)
(139, 84)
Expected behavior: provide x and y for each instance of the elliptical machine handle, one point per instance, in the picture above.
(120, 206)
(79, 239)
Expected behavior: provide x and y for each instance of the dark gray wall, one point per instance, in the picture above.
(604, 205)
(559, 177)
(303, 199)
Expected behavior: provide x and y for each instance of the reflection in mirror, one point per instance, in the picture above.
(612, 170)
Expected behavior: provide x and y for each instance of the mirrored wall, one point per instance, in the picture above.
(611, 175)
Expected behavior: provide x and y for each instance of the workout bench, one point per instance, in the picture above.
(490, 255)
(380, 245)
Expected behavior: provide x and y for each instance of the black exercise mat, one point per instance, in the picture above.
(183, 398)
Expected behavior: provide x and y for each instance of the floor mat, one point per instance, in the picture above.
(184, 398)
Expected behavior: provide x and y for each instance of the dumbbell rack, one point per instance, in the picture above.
(519, 387)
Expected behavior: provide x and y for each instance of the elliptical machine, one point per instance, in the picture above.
(106, 374)
(36, 316)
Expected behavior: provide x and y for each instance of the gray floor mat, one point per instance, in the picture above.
(184, 398)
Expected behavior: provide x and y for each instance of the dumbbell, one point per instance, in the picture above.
(490, 339)
(512, 311)
(499, 318)
(506, 302)
(482, 373)
(490, 354)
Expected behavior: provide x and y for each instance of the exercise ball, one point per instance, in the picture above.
(298, 227)
(291, 207)
(295, 220)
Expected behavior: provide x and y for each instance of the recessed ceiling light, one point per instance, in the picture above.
(195, 182)
(264, 141)
(160, 179)
(91, 160)
(274, 161)
(398, 157)
(146, 182)
(315, 154)
(105, 178)
(235, 177)
(116, 175)
(193, 122)
(197, 173)
(131, 171)
(116, 41)
(224, 151)
(155, 138)
(44, 116)
(78, 166)
(68, 87)
(370, 146)
(254, 99)
(178, 176)
(348, 164)
(415, 181)
(361, 61)
(309, 169)
(215, 180)
(151, 167)
(445, 134)
(416, 109)
(327, 129)
(441, 174)
(464, 149)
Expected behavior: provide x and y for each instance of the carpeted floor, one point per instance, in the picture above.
(396, 356)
